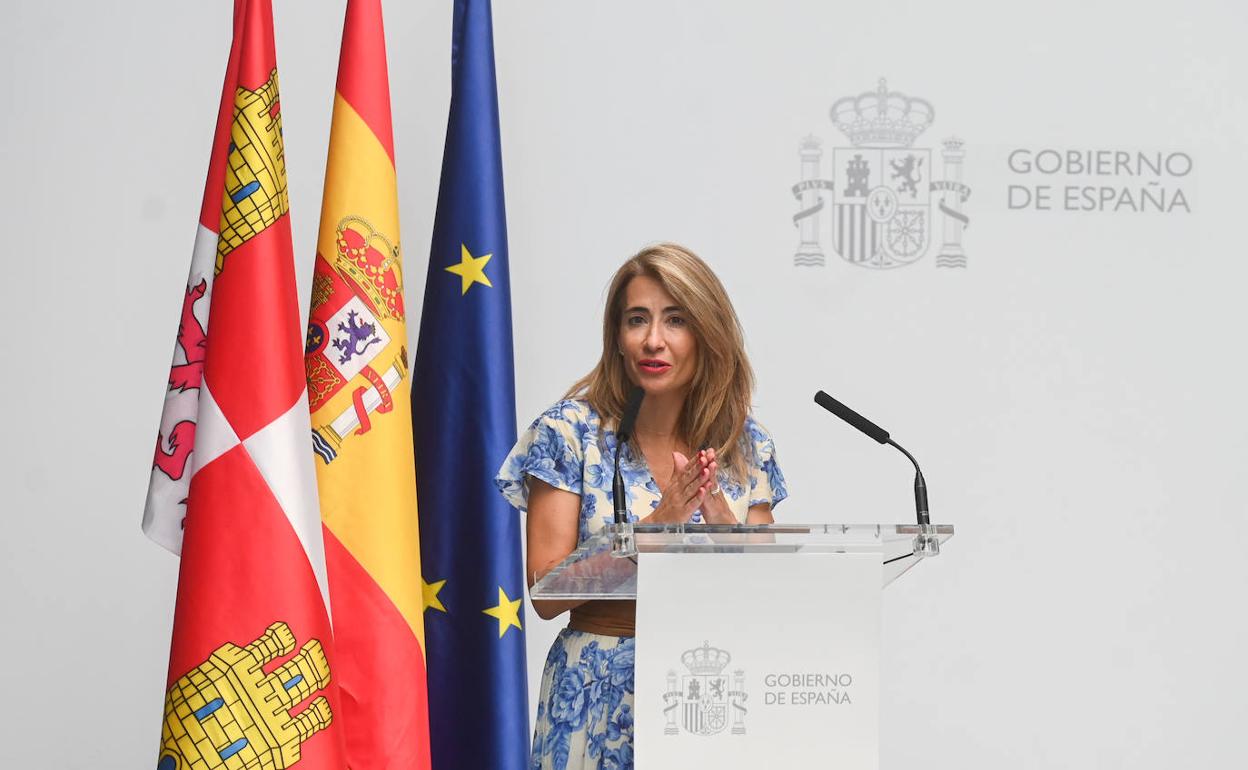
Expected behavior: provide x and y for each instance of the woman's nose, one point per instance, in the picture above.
(654, 337)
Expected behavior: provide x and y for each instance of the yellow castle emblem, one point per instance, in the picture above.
(228, 713)
(255, 173)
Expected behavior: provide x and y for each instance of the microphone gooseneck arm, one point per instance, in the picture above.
(619, 500)
(920, 488)
(623, 543)
(881, 436)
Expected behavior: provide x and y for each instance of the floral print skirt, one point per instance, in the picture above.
(585, 710)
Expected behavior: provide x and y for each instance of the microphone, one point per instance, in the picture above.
(926, 543)
(618, 498)
(623, 544)
(852, 417)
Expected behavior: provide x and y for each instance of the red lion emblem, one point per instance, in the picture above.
(188, 376)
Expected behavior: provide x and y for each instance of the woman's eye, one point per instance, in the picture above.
(676, 320)
(635, 320)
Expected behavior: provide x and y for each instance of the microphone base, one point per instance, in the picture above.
(926, 544)
(623, 542)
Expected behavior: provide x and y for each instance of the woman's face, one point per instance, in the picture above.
(659, 349)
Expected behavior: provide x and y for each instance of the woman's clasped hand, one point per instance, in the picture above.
(693, 486)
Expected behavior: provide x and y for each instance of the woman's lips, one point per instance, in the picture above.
(653, 366)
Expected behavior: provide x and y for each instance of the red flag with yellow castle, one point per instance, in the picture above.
(358, 386)
(252, 672)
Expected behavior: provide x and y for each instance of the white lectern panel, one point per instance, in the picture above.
(748, 660)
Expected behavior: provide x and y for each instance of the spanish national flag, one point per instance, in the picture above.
(358, 386)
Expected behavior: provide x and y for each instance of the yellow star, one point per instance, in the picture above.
(430, 593)
(507, 612)
(471, 269)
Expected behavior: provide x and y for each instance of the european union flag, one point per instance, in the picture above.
(464, 418)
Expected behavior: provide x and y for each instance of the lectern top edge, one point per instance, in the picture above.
(593, 572)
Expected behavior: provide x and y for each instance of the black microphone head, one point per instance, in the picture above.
(630, 413)
(851, 417)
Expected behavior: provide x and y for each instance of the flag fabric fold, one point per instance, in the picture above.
(252, 672)
(463, 418)
(175, 442)
(356, 364)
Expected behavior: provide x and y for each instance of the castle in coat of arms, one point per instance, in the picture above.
(230, 713)
(255, 170)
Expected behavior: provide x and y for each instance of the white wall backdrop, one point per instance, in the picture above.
(1075, 392)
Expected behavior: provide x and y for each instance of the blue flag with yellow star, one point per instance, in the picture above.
(464, 421)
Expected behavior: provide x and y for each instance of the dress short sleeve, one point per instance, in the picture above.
(551, 450)
(766, 481)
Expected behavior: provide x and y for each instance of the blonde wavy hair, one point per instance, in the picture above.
(719, 395)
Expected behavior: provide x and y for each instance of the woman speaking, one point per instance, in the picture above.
(696, 454)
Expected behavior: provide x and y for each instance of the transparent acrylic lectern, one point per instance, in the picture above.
(593, 571)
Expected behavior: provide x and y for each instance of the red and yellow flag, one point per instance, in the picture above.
(358, 386)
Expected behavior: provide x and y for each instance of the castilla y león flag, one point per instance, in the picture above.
(252, 673)
(358, 384)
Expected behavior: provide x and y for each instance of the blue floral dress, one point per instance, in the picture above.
(585, 708)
